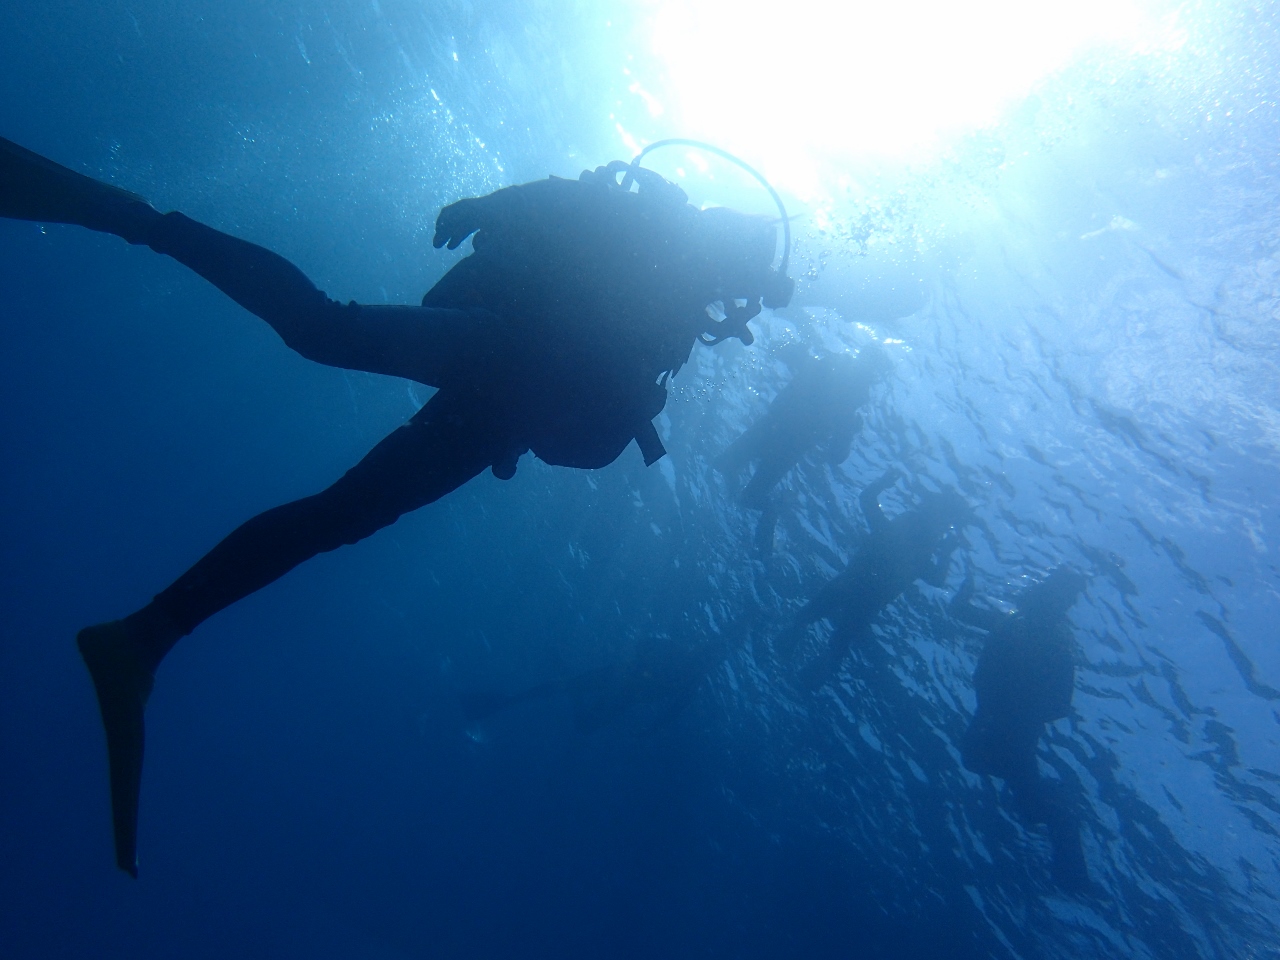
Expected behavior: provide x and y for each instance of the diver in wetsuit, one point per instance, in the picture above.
(556, 335)
(1024, 679)
(915, 545)
(818, 408)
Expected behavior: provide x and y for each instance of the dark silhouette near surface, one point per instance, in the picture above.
(817, 410)
(1024, 679)
(556, 335)
(915, 545)
(658, 677)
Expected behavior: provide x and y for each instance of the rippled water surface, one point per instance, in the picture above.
(1081, 301)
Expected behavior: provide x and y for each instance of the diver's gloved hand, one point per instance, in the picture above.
(458, 221)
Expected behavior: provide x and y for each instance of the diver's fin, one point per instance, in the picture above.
(766, 528)
(1040, 801)
(35, 188)
(123, 683)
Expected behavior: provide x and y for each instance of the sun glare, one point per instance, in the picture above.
(802, 83)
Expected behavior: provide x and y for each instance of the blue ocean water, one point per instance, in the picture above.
(1081, 304)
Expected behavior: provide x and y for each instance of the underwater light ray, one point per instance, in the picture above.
(830, 80)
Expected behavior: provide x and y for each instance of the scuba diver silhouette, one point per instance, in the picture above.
(819, 407)
(557, 335)
(1024, 679)
(915, 545)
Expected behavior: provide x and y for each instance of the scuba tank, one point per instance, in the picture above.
(602, 290)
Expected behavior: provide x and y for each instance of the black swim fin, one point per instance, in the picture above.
(35, 188)
(123, 684)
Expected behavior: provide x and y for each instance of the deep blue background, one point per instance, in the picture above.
(1092, 362)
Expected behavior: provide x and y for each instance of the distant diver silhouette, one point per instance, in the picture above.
(556, 335)
(1024, 679)
(818, 408)
(915, 545)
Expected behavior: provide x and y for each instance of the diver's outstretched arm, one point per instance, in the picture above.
(436, 452)
(418, 343)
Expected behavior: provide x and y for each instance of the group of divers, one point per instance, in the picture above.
(557, 335)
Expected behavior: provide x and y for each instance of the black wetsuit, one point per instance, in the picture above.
(1024, 679)
(917, 544)
(555, 336)
(438, 449)
(817, 409)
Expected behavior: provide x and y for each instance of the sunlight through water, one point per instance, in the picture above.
(831, 80)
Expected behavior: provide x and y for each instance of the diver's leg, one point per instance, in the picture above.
(826, 666)
(735, 457)
(1040, 802)
(419, 343)
(769, 470)
(434, 453)
(1068, 865)
(34, 188)
(431, 455)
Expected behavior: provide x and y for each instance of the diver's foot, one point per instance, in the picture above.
(123, 681)
(35, 188)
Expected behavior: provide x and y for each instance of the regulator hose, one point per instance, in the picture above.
(699, 144)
